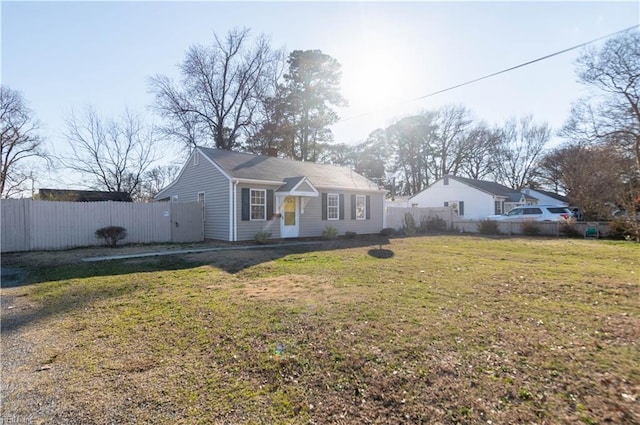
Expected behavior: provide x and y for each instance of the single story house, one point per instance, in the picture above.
(471, 199)
(244, 194)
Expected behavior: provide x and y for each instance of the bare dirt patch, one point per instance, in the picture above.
(293, 287)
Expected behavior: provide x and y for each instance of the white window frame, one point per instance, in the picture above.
(362, 213)
(455, 206)
(263, 204)
(202, 201)
(331, 208)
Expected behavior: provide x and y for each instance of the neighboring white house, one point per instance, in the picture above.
(547, 198)
(471, 199)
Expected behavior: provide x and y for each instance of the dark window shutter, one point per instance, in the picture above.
(245, 204)
(324, 206)
(341, 206)
(368, 207)
(461, 208)
(353, 207)
(446, 204)
(269, 204)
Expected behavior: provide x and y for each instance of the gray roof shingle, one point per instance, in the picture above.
(493, 188)
(260, 167)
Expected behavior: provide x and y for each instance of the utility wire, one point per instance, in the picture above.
(475, 80)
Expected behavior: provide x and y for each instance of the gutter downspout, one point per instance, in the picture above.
(234, 210)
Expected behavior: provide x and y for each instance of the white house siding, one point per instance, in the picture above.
(477, 204)
(205, 177)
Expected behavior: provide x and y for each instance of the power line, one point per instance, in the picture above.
(475, 80)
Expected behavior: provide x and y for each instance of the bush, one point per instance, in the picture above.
(624, 228)
(262, 237)
(488, 227)
(330, 233)
(530, 228)
(569, 230)
(432, 224)
(350, 235)
(111, 235)
(410, 228)
(388, 231)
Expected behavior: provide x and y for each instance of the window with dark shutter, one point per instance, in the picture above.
(461, 208)
(361, 207)
(368, 210)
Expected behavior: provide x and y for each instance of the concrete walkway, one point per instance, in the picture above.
(196, 251)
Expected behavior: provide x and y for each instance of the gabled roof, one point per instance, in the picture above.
(492, 188)
(553, 195)
(297, 186)
(244, 166)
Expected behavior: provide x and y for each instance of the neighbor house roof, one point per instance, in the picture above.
(244, 166)
(549, 194)
(494, 188)
(82, 195)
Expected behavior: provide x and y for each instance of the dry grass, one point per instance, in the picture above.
(438, 330)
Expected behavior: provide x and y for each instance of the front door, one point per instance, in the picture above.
(289, 227)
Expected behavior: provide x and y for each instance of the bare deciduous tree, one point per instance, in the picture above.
(612, 113)
(111, 154)
(19, 142)
(610, 116)
(523, 143)
(221, 90)
(590, 176)
(447, 142)
(157, 179)
(482, 146)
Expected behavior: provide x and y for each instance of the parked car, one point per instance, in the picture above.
(624, 214)
(535, 213)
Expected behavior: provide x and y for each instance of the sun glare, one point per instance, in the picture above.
(375, 78)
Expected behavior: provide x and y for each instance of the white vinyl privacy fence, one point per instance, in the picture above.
(29, 225)
(395, 218)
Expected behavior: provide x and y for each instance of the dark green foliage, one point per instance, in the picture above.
(330, 233)
(388, 231)
(111, 235)
(262, 237)
(410, 227)
(432, 225)
(350, 235)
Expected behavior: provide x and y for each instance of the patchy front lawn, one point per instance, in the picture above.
(446, 329)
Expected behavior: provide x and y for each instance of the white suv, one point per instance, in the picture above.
(535, 213)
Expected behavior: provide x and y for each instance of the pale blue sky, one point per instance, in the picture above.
(67, 55)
